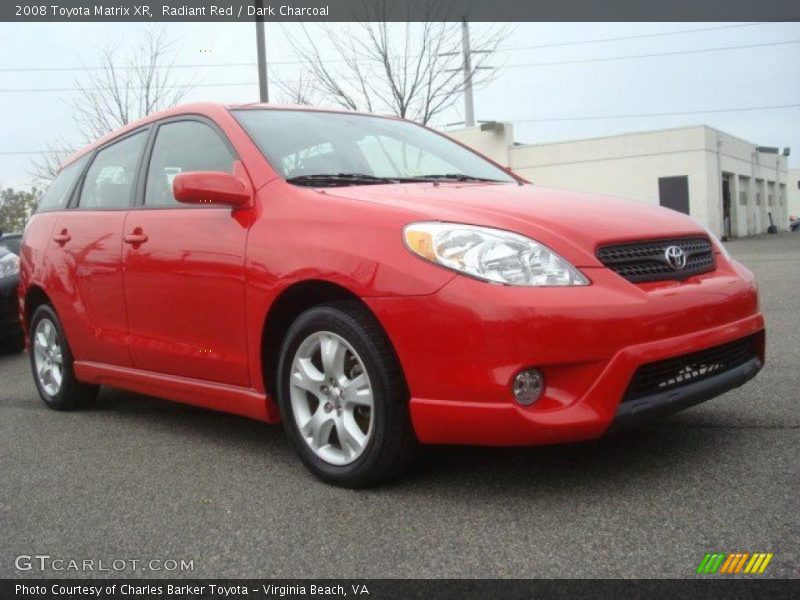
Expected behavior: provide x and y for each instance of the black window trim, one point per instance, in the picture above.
(144, 167)
(74, 201)
(137, 201)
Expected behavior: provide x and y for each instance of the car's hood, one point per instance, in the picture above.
(574, 224)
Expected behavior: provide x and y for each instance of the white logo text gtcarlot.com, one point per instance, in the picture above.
(46, 562)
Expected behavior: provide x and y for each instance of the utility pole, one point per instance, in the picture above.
(467, 69)
(469, 105)
(721, 196)
(263, 90)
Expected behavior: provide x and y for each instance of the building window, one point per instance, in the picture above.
(673, 192)
(744, 188)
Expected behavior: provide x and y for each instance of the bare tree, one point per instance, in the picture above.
(414, 70)
(118, 91)
(298, 91)
(45, 166)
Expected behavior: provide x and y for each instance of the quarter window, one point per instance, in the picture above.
(58, 193)
(110, 179)
(182, 147)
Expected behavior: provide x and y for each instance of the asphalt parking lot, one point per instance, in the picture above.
(139, 478)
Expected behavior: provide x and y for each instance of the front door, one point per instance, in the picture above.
(184, 265)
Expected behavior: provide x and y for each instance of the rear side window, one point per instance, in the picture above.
(182, 147)
(57, 194)
(109, 182)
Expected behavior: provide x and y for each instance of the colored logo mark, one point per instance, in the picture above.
(736, 562)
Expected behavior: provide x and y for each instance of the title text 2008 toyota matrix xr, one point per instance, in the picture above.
(372, 284)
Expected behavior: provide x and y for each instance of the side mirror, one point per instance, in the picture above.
(210, 187)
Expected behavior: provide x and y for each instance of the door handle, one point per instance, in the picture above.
(63, 237)
(137, 237)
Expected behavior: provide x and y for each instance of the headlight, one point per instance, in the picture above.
(490, 254)
(9, 265)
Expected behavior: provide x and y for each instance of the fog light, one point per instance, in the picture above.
(528, 386)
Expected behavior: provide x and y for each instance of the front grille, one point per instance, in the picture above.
(647, 261)
(672, 373)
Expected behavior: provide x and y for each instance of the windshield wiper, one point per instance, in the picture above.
(334, 179)
(454, 177)
(338, 179)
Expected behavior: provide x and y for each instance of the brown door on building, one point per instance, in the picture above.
(673, 192)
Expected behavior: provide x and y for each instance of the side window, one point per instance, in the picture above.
(57, 194)
(391, 157)
(109, 182)
(180, 147)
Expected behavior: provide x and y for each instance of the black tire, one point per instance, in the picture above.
(392, 446)
(72, 394)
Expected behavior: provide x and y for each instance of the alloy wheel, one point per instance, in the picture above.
(331, 398)
(48, 357)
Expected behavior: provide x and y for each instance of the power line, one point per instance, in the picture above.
(629, 37)
(125, 67)
(513, 66)
(298, 62)
(34, 152)
(100, 89)
(545, 119)
(655, 54)
(659, 114)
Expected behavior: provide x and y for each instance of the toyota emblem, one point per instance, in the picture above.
(676, 257)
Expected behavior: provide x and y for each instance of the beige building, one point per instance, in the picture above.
(728, 184)
(793, 192)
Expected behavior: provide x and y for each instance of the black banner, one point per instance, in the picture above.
(385, 589)
(398, 10)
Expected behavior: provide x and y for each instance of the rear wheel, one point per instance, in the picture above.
(52, 364)
(342, 397)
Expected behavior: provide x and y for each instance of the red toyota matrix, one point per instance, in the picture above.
(373, 285)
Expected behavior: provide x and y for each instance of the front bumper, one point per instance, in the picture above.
(634, 413)
(461, 347)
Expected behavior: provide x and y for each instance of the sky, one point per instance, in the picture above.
(579, 94)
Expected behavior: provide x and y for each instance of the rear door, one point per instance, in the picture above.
(184, 265)
(86, 284)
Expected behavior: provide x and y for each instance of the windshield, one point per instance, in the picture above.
(326, 148)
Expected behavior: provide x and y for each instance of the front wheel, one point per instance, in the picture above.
(343, 398)
(51, 363)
